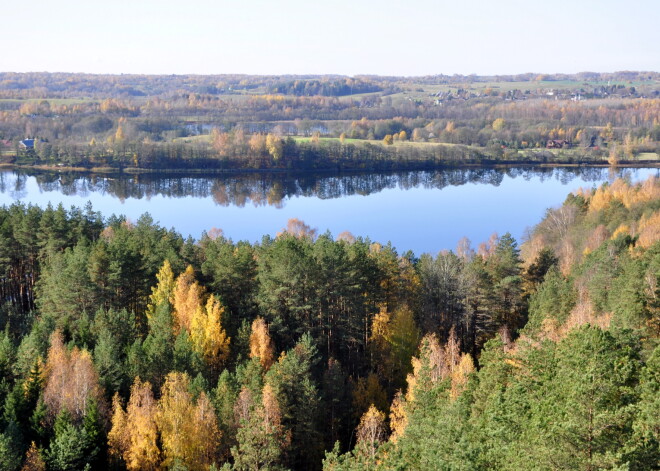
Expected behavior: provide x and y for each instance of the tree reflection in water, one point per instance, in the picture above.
(260, 189)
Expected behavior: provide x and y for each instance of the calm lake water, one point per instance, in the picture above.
(424, 211)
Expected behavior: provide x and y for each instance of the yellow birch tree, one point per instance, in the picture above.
(208, 337)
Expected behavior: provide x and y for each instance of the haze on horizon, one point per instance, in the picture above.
(266, 37)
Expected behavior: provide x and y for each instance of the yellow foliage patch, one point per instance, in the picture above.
(621, 190)
(649, 230)
(623, 229)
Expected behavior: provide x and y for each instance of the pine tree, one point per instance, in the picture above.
(261, 438)
(107, 359)
(292, 383)
(158, 346)
(643, 449)
(586, 407)
(163, 292)
(226, 394)
(73, 447)
(10, 458)
(504, 266)
(336, 403)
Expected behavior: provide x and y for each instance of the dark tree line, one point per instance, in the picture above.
(324, 87)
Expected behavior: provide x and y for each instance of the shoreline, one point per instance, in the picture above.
(129, 171)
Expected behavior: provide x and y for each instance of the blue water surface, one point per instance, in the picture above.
(418, 211)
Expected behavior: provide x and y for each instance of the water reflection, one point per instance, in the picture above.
(273, 189)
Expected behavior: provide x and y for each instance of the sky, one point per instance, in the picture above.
(347, 37)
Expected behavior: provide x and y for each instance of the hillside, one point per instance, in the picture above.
(127, 347)
(576, 389)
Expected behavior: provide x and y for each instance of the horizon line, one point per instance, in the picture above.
(440, 74)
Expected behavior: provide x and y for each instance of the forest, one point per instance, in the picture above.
(126, 346)
(237, 122)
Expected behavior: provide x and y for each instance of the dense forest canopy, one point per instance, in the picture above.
(125, 346)
(326, 122)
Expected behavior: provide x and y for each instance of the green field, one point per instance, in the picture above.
(573, 152)
(332, 139)
(190, 139)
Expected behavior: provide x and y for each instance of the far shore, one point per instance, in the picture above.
(444, 165)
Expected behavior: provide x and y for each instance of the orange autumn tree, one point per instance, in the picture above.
(188, 429)
(202, 320)
(261, 345)
(187, 299)
(71, 381)
(33, 460)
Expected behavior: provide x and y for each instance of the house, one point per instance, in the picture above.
(557, 144)
(27, 144)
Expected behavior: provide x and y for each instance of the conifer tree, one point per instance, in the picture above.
(294, 387)
(261, 438)
(163, 292)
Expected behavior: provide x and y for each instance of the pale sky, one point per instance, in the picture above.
(348, 37)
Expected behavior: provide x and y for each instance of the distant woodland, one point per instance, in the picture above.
(326, 122)
(125, 346)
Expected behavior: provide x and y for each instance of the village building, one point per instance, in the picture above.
(27, 144)
(557, 144)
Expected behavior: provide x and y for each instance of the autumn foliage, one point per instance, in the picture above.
(273, 355)
(71, 380)
(261, 345)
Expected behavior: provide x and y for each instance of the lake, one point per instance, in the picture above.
(423, 211)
